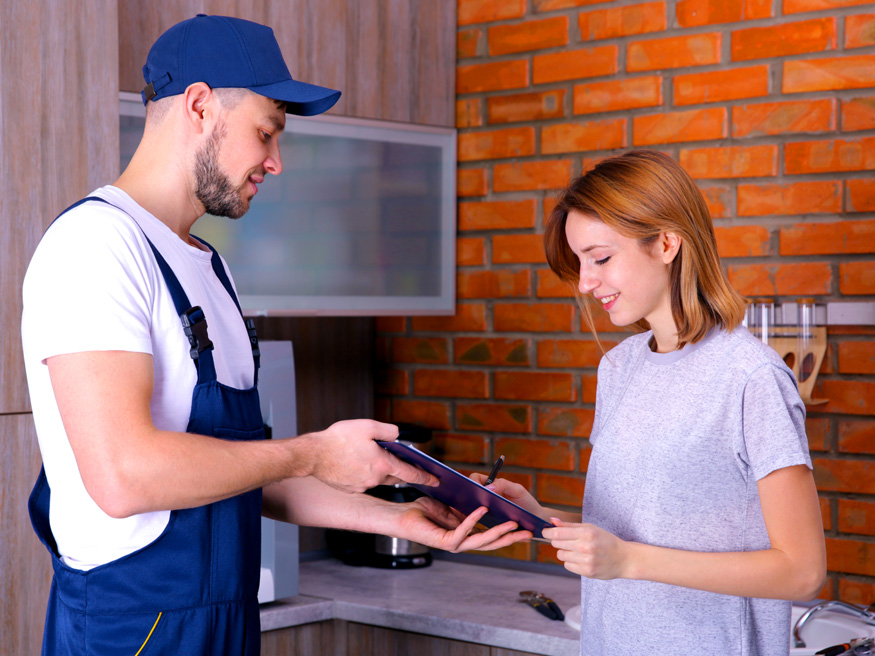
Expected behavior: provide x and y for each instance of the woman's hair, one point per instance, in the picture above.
(641, 194)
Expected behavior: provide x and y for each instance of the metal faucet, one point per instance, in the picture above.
(867, 615)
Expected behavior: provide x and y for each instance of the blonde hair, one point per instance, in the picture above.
(642, 194)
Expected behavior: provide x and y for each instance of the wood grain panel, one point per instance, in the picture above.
(59, 135)
(393, 59)
(323, 638)
(364, 640)
(24, 562)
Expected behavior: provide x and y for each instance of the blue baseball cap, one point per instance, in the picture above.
(227, 52)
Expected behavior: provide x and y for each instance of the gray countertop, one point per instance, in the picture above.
(452, 600)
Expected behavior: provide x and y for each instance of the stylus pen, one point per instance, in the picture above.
(494, 472)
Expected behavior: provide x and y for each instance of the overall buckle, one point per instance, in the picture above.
(194, 323)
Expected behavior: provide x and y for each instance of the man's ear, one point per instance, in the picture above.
(199, 106)
(669, 246)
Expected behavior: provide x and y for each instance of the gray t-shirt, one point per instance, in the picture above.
(679, 442)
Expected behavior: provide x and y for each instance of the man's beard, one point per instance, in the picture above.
(214, 189)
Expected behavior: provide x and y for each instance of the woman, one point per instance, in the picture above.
(700, 513)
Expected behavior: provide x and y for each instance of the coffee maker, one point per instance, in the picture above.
(383, 551)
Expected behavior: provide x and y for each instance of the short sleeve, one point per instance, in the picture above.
(773, 418)
(89, 287)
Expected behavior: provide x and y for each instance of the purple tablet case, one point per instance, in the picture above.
(464, 494)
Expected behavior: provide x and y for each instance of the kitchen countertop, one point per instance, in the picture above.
(448, 599)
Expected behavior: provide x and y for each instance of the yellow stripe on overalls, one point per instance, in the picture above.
(149, 636)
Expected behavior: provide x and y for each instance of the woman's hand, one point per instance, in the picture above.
(514, 492)
(589, 551)
(433, 524)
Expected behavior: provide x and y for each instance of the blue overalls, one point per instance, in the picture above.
(194, 590)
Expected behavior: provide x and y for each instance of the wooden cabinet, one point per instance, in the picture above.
(340, 638)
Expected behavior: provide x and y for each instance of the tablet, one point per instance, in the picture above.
(464, 494)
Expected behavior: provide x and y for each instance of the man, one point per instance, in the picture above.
(138, 359)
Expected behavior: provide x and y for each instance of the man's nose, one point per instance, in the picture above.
(274, 162)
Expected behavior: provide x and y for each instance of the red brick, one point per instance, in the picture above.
(743, 241)
(383, 410)
(841, 237)
(432, 350)
(856, 436)
(501, 283)
(494, 144)
(850, 397)
(570, 422)
(471, 182)
(518, 249)
(549, 286)
(806, 116)
(861, 195)
(575, 64)
(452, 383)
(538, 453)
(721, 85)
(830, 155)
(559, 490)
(526, 107)
(530, 176)
(533, 386)
(850, 556)
(497, 215)
(552, 5)
(695, 13)
(790, 198)
(805, 279)
(856, 517)
(693, 125)
(583, 136)
(615, 95)
(573, 353)
(856, 592)
(588, 385)
(498, 417)
(858, 114)
(482, 11)
(860, 31)
(731, 161)
(801, 6)
(470, 317)
(618, 22)
(833, 74)
(467, 43)
(855, 476)
(392, 381)
(718, 198)
(391, 324)
(535, 318)
(457, 447)
(857, 278)
(492, 76)
(754, 9)
(470, 251)
(817, 430)
(772, 41)
(492, 351)
(469, 113)
(674, 52)
(826, 514)
(529, 35)
(431, 414)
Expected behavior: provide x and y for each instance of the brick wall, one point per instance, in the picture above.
(769, 104)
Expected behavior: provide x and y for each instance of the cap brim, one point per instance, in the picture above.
(301, 98)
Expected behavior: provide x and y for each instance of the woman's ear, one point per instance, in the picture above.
(669, 246)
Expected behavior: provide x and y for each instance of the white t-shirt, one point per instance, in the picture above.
(93, 285)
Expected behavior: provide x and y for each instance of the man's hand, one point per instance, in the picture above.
(347, 457)
(433, 524)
